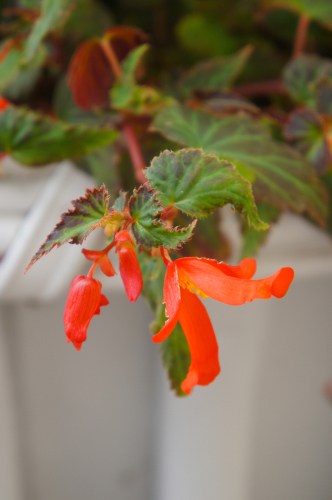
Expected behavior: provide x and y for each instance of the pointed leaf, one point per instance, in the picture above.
(216, 74)
(33, 139)
(53, 14)
(128, 95)
(147, 227)
(196, 183)
(281, 175)
(77, 223)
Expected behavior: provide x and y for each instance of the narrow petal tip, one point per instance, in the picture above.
(282, 282)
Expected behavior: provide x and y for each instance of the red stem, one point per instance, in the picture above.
(132, 142)
(261, 88)
(301, 36)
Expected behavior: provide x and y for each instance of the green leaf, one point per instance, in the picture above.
(176, 358)
(147, 227)
(33, 139)
(217, 74)
(196, 183)
(77, 223)
(174, 350)
(318, 10)
(281, 176)
(309, 133)
(306, 77)
(252, 240)
(53, 14)
(127, 95)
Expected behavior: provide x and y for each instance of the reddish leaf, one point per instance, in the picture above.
(77, 223)
(90, 76)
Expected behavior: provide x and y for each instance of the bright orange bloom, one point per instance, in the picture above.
(232, 285)
(83, 302)
(129, 266)
(3, 105)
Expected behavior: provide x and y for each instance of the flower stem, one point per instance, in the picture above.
(131, 139)
(301, 36)
(261, 88)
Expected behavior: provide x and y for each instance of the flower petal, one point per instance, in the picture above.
(245, 269)
(172, 298)
(211, 281)
(198, 329)
(83, 302)
(130, 271)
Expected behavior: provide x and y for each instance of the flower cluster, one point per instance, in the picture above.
(185, 279)
(85, 297)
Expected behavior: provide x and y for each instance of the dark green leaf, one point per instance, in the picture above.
(196, 183)
(216, 74)
(281, 176)
(77, 223)
(34, 139)
(319, 10)
(147, 227)
(307, 130)
(306, 76)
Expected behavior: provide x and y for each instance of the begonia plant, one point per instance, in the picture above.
(176, 115)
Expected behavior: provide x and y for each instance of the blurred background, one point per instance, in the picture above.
(103, 423)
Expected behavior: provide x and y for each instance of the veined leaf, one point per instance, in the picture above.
(147, 227)
(77, 223)
(196, 183)
(309, 132)
(53, 14)
(281, 176)
(306, 77)
(216, 74)
(33, 139)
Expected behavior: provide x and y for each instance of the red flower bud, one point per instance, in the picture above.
(83, 302)
(129, 266)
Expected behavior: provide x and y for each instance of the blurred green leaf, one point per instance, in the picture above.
(127, 95)
(204, 36)
(281, 176)
(318, 10)
(33, 139)
(306, 76)
(53, 14)
(216, 74)
(306, 129)
(197, 183)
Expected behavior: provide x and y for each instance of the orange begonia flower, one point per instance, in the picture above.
(129, 266)
(231, 285)
(83, 302)
(3, 105)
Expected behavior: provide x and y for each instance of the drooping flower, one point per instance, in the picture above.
(129, 266)
(83, 302)
(189, 276)
(3, 105)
